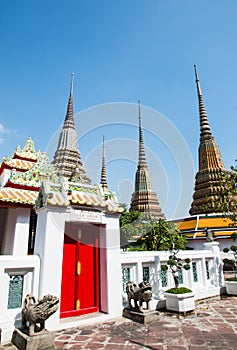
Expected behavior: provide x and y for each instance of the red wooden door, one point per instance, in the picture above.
(80, 279)
(68, 274)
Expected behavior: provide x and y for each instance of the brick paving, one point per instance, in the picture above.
(213, 326)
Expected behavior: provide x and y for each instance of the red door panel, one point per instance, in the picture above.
(68, 274)
(85, 281)
(80, 276)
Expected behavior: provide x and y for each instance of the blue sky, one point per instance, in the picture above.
(121, 51)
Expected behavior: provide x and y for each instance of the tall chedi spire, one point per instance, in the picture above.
(103, 179)
(144, 199)
(67, 158)
(208, 189)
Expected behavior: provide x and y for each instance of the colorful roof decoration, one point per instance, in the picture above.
(18, 164)
(27, 152)
(21, 176)
(32, 178)
(71, 194)
(17, 196)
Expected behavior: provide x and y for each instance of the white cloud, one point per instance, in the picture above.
(3, 130)
(1, 140)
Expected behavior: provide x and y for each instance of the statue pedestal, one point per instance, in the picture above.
(23, 341)
(141, 317)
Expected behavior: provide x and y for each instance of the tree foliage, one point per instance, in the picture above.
(233, 250)
(130, 225)
(227, 203)
(163, 235)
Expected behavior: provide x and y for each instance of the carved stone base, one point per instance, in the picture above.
(23, 341)
(141, 317)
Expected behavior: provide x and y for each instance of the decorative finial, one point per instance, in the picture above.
(196, 74)
(72, 80)
(103, 180)
(197, 81)
(205, 131)
(141, 157)
(139, 108)
(103, 154)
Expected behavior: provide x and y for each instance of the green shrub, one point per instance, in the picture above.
(164, 267)
(179, 290)
(232, 279)
(186, 267)
(226, 250)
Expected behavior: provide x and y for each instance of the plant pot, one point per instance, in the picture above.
(231, 287)
(180, 302)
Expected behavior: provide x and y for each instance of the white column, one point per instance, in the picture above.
(139, 272)
(15, 241)
(158, 289)
(22, 232)
(114, 275)
(103, 272)
(214, 247)
(49, 247)
(204, 272)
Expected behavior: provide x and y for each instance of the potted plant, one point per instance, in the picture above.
(179, 299)
(231, 283)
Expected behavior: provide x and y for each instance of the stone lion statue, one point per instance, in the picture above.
(139, 294)
(34, 311)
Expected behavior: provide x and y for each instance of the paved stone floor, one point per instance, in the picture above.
(213, 326)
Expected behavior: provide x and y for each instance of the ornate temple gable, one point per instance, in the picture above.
(77, 195)
(51, 193)
(144, 199)
(93, 196)
(27, 152)
(208, 187)
(23, 159)
(67, 158)
(22, 175)
(32, 178)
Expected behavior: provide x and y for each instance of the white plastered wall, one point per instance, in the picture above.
(16, 235)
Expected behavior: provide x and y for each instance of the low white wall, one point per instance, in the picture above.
(27, 266)
(206, 281)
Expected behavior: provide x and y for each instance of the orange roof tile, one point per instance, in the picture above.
(18, 164)
(213, 222)
(216, 221)
(14, 195)
(57, 198)
(93, 199)
(186, 224)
